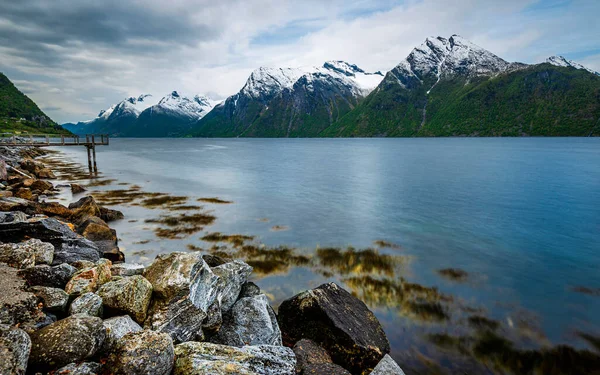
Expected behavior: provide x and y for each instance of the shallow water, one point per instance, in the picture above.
(521, 216)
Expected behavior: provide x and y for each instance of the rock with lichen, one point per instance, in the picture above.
(15, 346)
(88, 303)
(141, 353)
(72, 339)
(89, 279)
(130, 295)
(202, 358)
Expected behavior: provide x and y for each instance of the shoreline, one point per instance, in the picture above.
(263, 258)
(205, 306)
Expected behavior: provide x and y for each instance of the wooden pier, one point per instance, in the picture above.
(47, 140)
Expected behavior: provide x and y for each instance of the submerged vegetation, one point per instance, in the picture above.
(454, 330)
(214, 200)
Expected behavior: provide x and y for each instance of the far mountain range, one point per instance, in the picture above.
(445, 87)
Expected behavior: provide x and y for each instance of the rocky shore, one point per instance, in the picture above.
(70, 304)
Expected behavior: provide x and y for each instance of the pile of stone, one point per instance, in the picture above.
(70, 305)
(185, 313)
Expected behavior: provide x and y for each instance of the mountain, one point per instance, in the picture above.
(142, 116)
(561, 61)
(172, 116)
(289, 102)
(18, 113)
(452, 87)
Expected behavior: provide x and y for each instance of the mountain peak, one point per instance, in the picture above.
(562, 61)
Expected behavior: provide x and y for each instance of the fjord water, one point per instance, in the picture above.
(520, 215)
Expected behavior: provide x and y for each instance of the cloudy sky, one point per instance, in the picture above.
(76, 57)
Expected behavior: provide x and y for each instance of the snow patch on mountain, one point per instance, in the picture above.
(561, 61)
(184, 107)
(265, 82)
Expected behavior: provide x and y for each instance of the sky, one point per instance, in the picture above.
(77, 57)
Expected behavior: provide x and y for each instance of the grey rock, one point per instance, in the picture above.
(130, 295)
(180, 273)
(232, 276)
(72, 339)
(84, 368)
(54, 299)
(141, 353)
(251, 321)
(88, 303)
(26, 254)
(12, 217)
(387, 366)
(339, 322)
(127, 269)
(201, 358)
(249, 289)
(73, 249)
(116, 328)
(48, 319)
(15, 346)
(324, 369)
(44, 275)
(179, 317)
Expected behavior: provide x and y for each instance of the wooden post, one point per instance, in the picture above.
(62, 139)
(14, 137)
(47, 139)
(30, 138)
(94, 154)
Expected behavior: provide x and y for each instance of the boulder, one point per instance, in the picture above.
(337, 321)
(12, 217)
(88, 303)
(314, 360)
(26, 254)
(76, 189)
(84, 368)
(44, 275)
(141, 353)
(72, 339)
(232, 276)
(387, 366)
(23, 193)
(213, 260)
(178, 274)
(109, 215)
(97, 231)
(84, 209)
(130, 295)
(72, 250)
(251, 321)
(127, 269)
(46, 173)
(116, 328)
(41, 185)
(68, 245)
(16, 305)
(15, 346)
(54, 209)
(54, 299)
(201, 358)
(178, 317)
(89, 279)
(10, 203)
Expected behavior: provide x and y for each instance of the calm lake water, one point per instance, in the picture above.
(521, 216)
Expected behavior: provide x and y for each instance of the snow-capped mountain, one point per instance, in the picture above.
(451, 86)
(279, 101)
(561, 61)
(127, 117)
(182, 107)
(446, 57)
